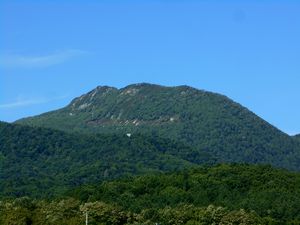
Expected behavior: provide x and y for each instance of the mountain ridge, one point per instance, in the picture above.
(209, 121)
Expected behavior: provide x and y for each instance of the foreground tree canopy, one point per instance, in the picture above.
(24, 211)
(223, 194)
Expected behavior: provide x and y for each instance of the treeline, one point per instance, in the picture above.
(223, 194)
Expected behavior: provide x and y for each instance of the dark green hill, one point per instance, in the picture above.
(209, 121)
(269, 192)
(45, 162)
(297, 137)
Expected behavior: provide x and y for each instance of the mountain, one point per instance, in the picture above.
(297, 137)
(208, 121)
(45, 162)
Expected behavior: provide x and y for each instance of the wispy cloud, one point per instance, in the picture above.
(22, 61)
(29, 102)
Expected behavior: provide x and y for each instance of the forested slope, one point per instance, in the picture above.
(44, 162)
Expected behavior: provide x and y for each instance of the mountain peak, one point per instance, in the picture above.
(149, 88)
(151, 85)
(101, 90)
(141, 85)
(98, 94)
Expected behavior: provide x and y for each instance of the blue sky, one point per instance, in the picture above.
(53, 51)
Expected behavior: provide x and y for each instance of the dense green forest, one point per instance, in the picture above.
(42, 162)
(208, 121)
(222, 194)
(148, 154)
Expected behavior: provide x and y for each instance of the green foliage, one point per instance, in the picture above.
(173, 129)
(72, 212)
(42, 162)
(271, 193)
(205, 120)
(222, 194)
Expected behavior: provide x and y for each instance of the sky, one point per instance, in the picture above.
(53, 51)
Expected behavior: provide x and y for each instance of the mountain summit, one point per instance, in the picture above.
(205, 120)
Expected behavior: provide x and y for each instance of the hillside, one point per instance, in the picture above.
(223, 194)
(45, 162)
(211, 122)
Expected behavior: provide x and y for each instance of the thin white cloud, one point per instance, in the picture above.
(21, 61)
(20, 103)
(29, 102)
